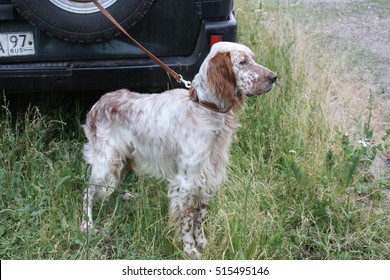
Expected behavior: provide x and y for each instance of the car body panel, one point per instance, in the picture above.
(180, 38)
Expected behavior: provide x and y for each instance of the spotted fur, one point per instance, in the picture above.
(169, 136)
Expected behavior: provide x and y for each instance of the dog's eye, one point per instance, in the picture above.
(243, 62)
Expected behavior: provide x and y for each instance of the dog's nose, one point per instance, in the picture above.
(272, 77)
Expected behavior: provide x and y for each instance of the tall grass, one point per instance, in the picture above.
(298, 185)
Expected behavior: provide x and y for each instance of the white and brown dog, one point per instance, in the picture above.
(182, 136)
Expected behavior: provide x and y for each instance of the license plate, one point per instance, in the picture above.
(16, 44)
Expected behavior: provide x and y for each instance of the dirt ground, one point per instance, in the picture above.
(360, 25)
(360, 28)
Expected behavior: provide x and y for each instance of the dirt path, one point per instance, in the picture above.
(360, 29)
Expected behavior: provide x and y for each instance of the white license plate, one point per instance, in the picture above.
(16, 44)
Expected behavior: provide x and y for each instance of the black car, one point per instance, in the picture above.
(68, 45)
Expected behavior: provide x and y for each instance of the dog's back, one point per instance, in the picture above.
(154, 133)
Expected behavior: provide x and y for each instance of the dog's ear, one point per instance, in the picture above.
(221, 78)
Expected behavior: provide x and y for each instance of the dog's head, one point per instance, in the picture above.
(233, 73)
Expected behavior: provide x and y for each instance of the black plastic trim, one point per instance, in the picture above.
(136, 74)
(7, 12)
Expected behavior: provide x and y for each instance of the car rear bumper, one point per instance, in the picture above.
(109, 74)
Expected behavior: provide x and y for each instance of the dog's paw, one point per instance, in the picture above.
(194, 254)
(191, 251)
(201, 244)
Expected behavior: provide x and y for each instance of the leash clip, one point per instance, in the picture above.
(186, 83)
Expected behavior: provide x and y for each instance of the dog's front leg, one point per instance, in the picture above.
(187, 232)
(183, 212)
(200, 218)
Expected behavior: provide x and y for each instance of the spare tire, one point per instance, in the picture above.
(79, 20)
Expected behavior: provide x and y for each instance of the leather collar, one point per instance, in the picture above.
(208, 105)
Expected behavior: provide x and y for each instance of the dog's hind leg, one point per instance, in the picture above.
(89, 195)
(106, 171)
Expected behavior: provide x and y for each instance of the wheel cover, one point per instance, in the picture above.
(81, 6)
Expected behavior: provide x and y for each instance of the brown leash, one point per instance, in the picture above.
(179, 78)
(176, 76)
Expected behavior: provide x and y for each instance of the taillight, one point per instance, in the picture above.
(215, 39)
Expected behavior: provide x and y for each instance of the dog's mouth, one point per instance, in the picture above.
(267, 89)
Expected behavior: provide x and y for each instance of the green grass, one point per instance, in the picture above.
(298, 187)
